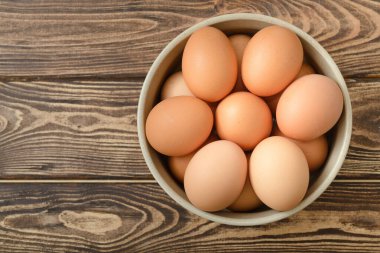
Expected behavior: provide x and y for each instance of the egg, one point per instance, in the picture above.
(178, 164)
(244, 119)
(309, 107)
(215, 176)
(175, 86)
(272, 101)
(178, 125)
(209, 64)
(248, 200)
(271, 60)
(315, 150)
(279, 173)
(306, 69)
(239, 42)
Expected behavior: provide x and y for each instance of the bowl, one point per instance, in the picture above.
(169, 60)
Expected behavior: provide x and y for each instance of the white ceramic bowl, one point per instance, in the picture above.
(169, 60)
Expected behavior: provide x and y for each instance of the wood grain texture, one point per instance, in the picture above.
(70, 77)
(54, 38)
(364, 153)
(87, 129)
(141, 218)
(76, 129)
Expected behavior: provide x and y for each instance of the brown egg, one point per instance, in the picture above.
(216, 175)
(279, 173)
(271, 60)
(175, 86)
(244, 119)
(306, 69)
(178, 164)
(272, 101)
(309, 107)
(248, 200)
(178, 125)
(209, 64)
(239, 42)
(315, 150)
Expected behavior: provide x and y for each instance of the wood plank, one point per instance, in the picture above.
(87, 129)
(120, 38)
(142, 218)
(364, 154)
(77, 129)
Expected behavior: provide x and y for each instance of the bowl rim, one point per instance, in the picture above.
(214, 216)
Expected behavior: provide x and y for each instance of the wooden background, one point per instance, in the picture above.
(73, 178)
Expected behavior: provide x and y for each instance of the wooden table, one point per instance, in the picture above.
(73, 178)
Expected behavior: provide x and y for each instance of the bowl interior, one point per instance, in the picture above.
(169, 61)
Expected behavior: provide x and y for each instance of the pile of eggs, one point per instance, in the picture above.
(245, 121)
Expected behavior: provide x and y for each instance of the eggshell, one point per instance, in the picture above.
(239, 42)
(309, 107)
(178, 164)
(178, 125)
(306, 69)
(315, 150)
(272, 101)
(244, 119)
(175, 86)
(209, 64)
(248, 200)
(216, 175)
(271, 60)
(279, 173)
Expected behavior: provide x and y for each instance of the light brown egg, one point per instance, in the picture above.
(178, 164)
(272, 101)
(175, 86)
(248, 200)
(178, 125)
(244, 119)
(271, 60)
(309, 107)
(306, 69)
(279, 173)
(315, 150)
(209, 64)
(239, 42)
(216, 175)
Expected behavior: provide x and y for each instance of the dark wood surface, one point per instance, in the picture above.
(120, 217)
(54, 38)
(72, 177)
(87, 129)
